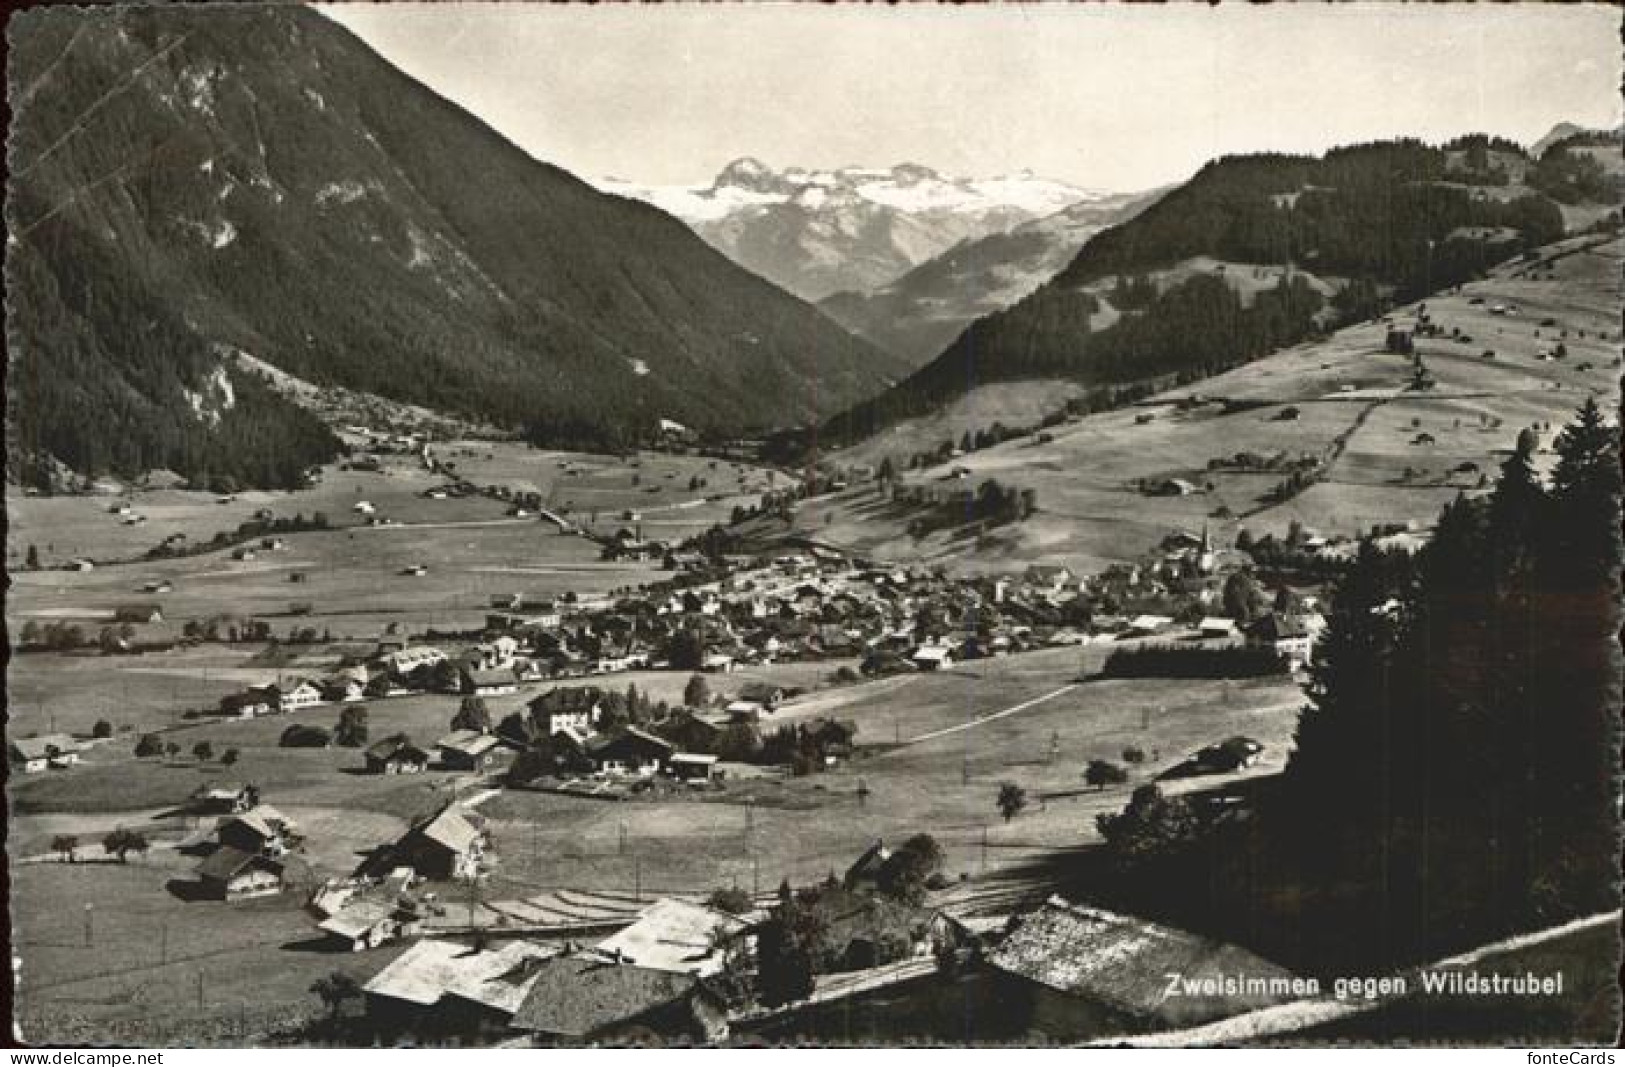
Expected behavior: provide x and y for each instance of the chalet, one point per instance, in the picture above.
(244, 554)
(693, 767)
(262, 831)
(865, 870)
(1226, 757)
(367, 923)
(932, 657)
(1214, 627)
(80, 565)
(1070, 972)
(630, 751)
(299, 694)
(364, 507)
(232, 874)
(223, 798)
(157, 586)
(674, 935)
(440, 990)
(344, 688)
(486, 682)
(1287, 634)
(467, 750)
(30, 755)
(690, 733)
(580, 707)
(396, 755)
(441, 846)
(261, 700)
(588, 998)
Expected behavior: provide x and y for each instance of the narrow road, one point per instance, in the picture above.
(1035, 701)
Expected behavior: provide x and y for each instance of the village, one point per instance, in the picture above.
(534, 705)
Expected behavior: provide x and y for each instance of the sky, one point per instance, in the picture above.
(1104, 96)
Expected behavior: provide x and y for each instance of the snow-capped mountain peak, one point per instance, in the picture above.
(818, 231)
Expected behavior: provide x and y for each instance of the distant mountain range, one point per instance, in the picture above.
(917, 315)
(196, 184)
(1255, 253)
(820, 232)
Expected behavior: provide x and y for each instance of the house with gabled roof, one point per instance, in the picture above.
(1074, 971)
(585, 997)
(441, 989)
(630, 751)
(467, 750)
(446, 844)
(261, 830)
(30, 755)
(674, 935)
(396, 754)
(232, 874)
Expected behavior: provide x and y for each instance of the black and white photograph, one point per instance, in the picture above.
(813, 525)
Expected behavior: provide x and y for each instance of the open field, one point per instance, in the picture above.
(772, 827)
(1352, 411)
(156, 969)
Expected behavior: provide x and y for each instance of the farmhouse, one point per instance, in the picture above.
(629, 751)
(579, 708)
(587, 998)
(30, 755)
(488, 682)
(262, 830)
(466, 750)
(1287, 634)
(1146, 625)
(232, 874)
(674, 935)
(299, 694)
(440, 989)
(363, 924)
(261, 700)
(396, 755)
(1216, 626)
(223, 798)
(1076, 972)
(440, 846)
(344, 688)
(932, 657)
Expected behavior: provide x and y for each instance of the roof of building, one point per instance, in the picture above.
(264, 820)
(630, 737)
(498, 977)
(1124, 963)
(357, 917)
(468, 742)
(226, 862)
(673, 935)
(568, 698)
(1149, 622)
(576, 996)
(395, 745)
(450, 828)
(40, 747)
(1216, 622)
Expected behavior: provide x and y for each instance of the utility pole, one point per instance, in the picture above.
(984, 847)
(90, 925)
(755, 877)
(637, 879)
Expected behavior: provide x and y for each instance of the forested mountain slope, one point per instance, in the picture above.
(1339, 235)
(188, 182)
